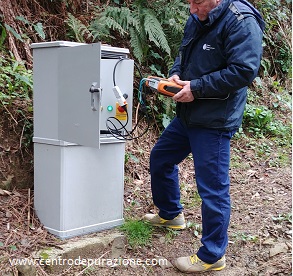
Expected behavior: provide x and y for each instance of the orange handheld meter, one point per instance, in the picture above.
(163, 86)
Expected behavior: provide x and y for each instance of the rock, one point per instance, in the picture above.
(26, 270)
(162, 239)
(278, 248)
(82, 252)
(118, 247)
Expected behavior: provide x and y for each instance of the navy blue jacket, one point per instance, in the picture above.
(220, 58)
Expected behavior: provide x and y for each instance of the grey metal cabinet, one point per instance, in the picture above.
(78, 165)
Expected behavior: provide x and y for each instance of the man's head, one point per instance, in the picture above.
(202, 7)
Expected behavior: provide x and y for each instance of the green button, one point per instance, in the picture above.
(109, 107)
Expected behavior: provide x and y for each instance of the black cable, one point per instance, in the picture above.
(114, 70)
(117, 132)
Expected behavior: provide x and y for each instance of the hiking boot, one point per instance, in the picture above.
(194, 264)
(176, 223)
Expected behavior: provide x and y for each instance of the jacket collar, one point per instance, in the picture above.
(217, 12)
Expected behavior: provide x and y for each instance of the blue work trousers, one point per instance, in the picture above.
(211, 154)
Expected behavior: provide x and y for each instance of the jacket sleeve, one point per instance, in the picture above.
(176, 70)
(243, 51)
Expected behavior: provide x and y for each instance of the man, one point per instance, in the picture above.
(218, 58)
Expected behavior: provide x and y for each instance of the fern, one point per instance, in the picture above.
(100, 31)
(140, 23)
(155, 32)
(120, 19)
(149, 26)
(113, 24)
(78, 28)
(136, 45)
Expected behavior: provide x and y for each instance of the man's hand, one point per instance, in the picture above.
(185, 94)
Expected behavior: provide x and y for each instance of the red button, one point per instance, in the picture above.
(121, 109)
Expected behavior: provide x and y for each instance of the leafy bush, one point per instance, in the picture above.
(15, 81)
(259, 121)
(16, 85)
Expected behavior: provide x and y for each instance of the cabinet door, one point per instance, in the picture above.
(79, 94)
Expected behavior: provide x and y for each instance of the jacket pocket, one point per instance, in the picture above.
(207, 113)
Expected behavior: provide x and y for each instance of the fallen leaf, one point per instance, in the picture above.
(4, 192)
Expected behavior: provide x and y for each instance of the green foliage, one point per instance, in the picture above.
(15, 81)
(268, 111)
(195, 199)
(77, 30)
(16, 85)
(100, 31)
(154, 28)
(11, 30)
(13, 247)
(172, 16)
(138, 232)
(273, 151)
(171, 234)
(140, 24)
(3, 35)
(283, 217)
(164, 110)
(244, 237)
(38, 28)
(259, 120)
(277, 39)
(197, 229)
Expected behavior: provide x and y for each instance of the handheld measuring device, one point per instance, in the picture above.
(163, 86)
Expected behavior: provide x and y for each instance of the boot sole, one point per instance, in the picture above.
(175, 227)
(219, 268)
